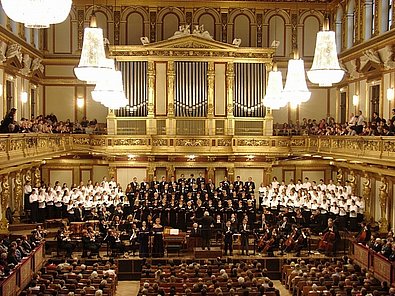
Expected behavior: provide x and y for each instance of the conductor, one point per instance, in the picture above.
(207, 223)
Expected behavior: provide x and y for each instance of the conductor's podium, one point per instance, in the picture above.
(214, 252)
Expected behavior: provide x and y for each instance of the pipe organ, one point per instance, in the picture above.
(192, 85)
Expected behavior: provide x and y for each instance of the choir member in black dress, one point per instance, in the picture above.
(157, 245)
(143, 238)
(181, 216)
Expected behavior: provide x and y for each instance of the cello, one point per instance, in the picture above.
(327, 241)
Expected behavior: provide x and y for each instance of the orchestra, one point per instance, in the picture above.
(280, 217)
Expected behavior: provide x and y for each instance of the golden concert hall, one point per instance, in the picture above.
(178, 147)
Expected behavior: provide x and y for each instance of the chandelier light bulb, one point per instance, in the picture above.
(37, 14)
(295, 90)
(325, 70)
(274, 98)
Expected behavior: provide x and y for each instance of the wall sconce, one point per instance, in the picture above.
(80, 102)
(24, 97)
(355, 100)
(390, 93)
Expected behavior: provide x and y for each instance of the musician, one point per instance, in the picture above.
(133, 237)
(245, 234)
(195, 231)
(207, 223)
(228, 238)
(89, 243)
(330, 238)
(285, 227)
(143, 239)
(157, 246)
(64, 241)
(301, 241)
(79, 213)
(114, 241)
(365, 234)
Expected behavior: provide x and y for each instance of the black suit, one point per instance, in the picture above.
(207, 222)
(245, 233)
(228, 240)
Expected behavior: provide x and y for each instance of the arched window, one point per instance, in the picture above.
(389, 14)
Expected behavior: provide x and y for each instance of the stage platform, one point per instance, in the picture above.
(214, 252)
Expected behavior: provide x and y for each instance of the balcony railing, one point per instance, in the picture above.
(20, 148)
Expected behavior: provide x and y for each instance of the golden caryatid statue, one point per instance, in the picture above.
(367, 189)
(352, 181)
(383, 195)
(339, 176)
(37, 177)
(18, 193)
(5, 196)
(28, 176)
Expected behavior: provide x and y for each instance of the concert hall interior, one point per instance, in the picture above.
(217, 147)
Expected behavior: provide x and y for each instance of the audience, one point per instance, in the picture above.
(46, 124)
(356, 125)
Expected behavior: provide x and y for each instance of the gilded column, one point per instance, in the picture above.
(151, 123)
(170, 122)
(339, 177)
(231, 173)
(37, 177)
(210, 99)
(367, 190)
(151, 168)
(112, 171)
(18, 194)
(352, 181)
(358, 26)
(170, 171)
(5, 196)
(211, 173)
(393, 14)
(267, 175)
(230, 80)
(383, 204)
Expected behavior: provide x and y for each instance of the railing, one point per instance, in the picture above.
(21, 148)
(381, 267)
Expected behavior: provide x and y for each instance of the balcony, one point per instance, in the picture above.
(22, 148)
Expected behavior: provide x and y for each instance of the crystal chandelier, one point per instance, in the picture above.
(37, 13)
(274, 98)
(93, 63)
(295, 89)
(325, 69)
(109, 91)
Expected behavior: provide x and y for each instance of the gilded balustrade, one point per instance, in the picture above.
(22, 148)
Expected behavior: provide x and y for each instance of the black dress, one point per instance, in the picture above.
(173, 215)
(157, 246)
(181, 215)
(143, 239)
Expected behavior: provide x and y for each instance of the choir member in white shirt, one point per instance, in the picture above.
(42, 206)
(58, 202)
(27, 190)
(33, 200)
(49, 201)
(353, 217)
(306, 183)
(331, 186)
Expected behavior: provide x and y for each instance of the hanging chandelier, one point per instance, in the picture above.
(37, 14)
(325, 69)
(109, 91)
(93, 63)
(274, 98)
(295, 89)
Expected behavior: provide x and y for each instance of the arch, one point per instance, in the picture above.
(277, 12)
(242, 29)
(162, 13)
(309, 13)
(107, 10)
(125, 13)
(73, 13)
(170, 25)
(339, 28)
(206, 10)
(134, 27)
(311, 26)
(208, 20)
(235, 13)
(277, 32)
